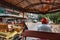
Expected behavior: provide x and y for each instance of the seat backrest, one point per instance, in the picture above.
(3, 27)
(19, 28)
(41, 35)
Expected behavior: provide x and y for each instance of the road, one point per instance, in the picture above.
(33, 26)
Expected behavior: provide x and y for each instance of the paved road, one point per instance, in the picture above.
(33, 26)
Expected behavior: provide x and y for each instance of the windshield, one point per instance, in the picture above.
(53, 21)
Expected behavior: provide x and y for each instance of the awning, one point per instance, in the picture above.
(34, 6)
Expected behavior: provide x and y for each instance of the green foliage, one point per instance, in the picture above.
(55, 17)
